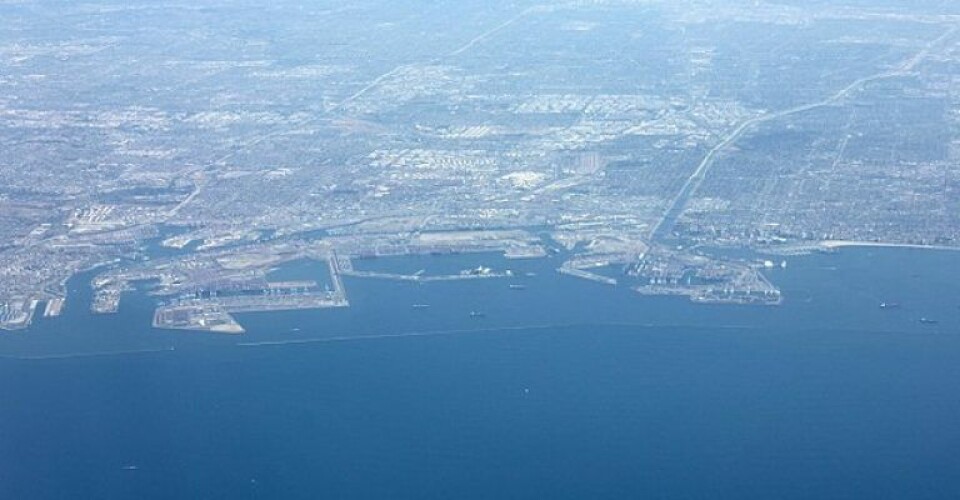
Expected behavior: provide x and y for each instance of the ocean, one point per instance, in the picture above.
(562, 389)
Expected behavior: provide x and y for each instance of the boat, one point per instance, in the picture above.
(928, 321)
(889, 305)
(476, 314)
(420, 306)
(518, 287)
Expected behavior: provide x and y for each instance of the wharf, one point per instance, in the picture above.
(53, 307)
(424, 279)
(587, 275)
(17, 315)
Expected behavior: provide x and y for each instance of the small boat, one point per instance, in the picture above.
(928, 321)
(518, 287)
(477, 314)
(420, 306)
(889, 305)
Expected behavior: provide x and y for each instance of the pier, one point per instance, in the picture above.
(335, 263)
(215, 313)
(587, 275)
(53, 308)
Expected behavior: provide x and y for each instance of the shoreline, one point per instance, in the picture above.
(834, 244)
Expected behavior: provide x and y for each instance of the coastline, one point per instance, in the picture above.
(835, 244)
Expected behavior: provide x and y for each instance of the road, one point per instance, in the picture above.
(679, 202)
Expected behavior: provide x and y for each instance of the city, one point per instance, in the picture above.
(691, 127)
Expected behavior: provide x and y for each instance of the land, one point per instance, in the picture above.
(632, 140)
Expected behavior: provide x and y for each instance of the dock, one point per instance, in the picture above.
(53, 308)
(425, 279)
(106, 301)
(215, 314)
(17, 314)
(335, 263)
(587, 275)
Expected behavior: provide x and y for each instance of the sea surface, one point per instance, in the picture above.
(563, 389)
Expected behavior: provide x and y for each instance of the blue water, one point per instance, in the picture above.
(567, 389)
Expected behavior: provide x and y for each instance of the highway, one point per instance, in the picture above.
(677, 205)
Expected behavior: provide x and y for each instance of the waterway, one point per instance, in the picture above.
(562, 389)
